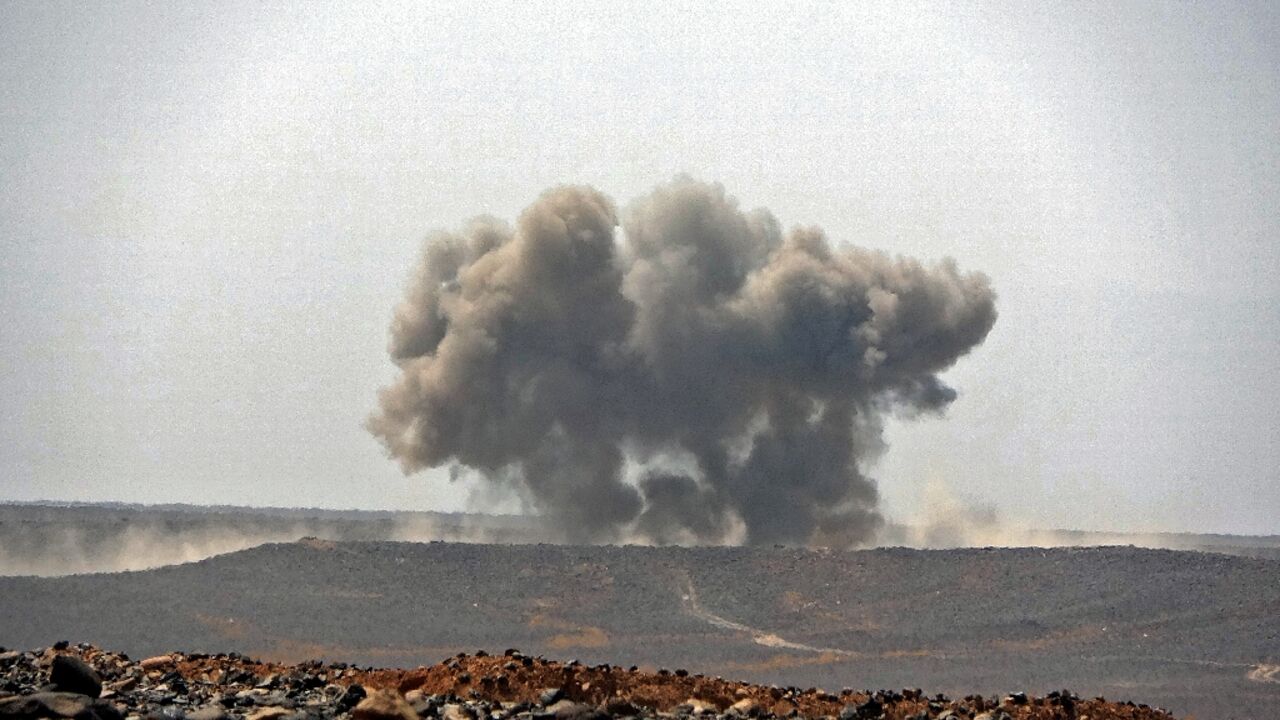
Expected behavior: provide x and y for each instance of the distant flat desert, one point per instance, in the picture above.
(1192, 631)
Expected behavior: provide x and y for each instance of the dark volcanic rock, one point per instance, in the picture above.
(384, 705)
(862, 711)
(226, 687)
(48, 704)
(167, 712)
(57, 705)
(71, 674)
(352, 697)
(568, 710)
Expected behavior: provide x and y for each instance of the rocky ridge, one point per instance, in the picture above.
(83, 682)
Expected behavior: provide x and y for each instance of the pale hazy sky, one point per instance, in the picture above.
(207, 213)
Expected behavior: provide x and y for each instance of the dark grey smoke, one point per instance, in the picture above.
(699, 377)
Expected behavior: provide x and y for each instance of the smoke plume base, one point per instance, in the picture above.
(53, 540)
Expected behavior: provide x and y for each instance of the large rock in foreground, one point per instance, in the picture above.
(57, 705)
(69, 673)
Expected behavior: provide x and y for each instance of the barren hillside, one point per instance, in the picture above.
(1192, 632)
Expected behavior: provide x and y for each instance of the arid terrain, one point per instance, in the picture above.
(85, 683)
(1193, 632)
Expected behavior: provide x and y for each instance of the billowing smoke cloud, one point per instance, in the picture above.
(742, 370)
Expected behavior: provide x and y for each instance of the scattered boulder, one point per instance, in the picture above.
(569, 710)
(270, 713)
(157, 662)
(872, 708)
(166, 712)
(352, 697)
(455, 711)
(209, 712)
(58, 705)
(69, 673)
(617, 707)
(46, 704)
(694, 706)
(104, 710)
(384, 705)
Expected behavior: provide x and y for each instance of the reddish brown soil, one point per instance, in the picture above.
(519, 678)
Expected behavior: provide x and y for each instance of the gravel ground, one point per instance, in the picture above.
(1196, 633)
(85, 683)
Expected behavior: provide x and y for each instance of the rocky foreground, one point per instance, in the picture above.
(86, 683)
